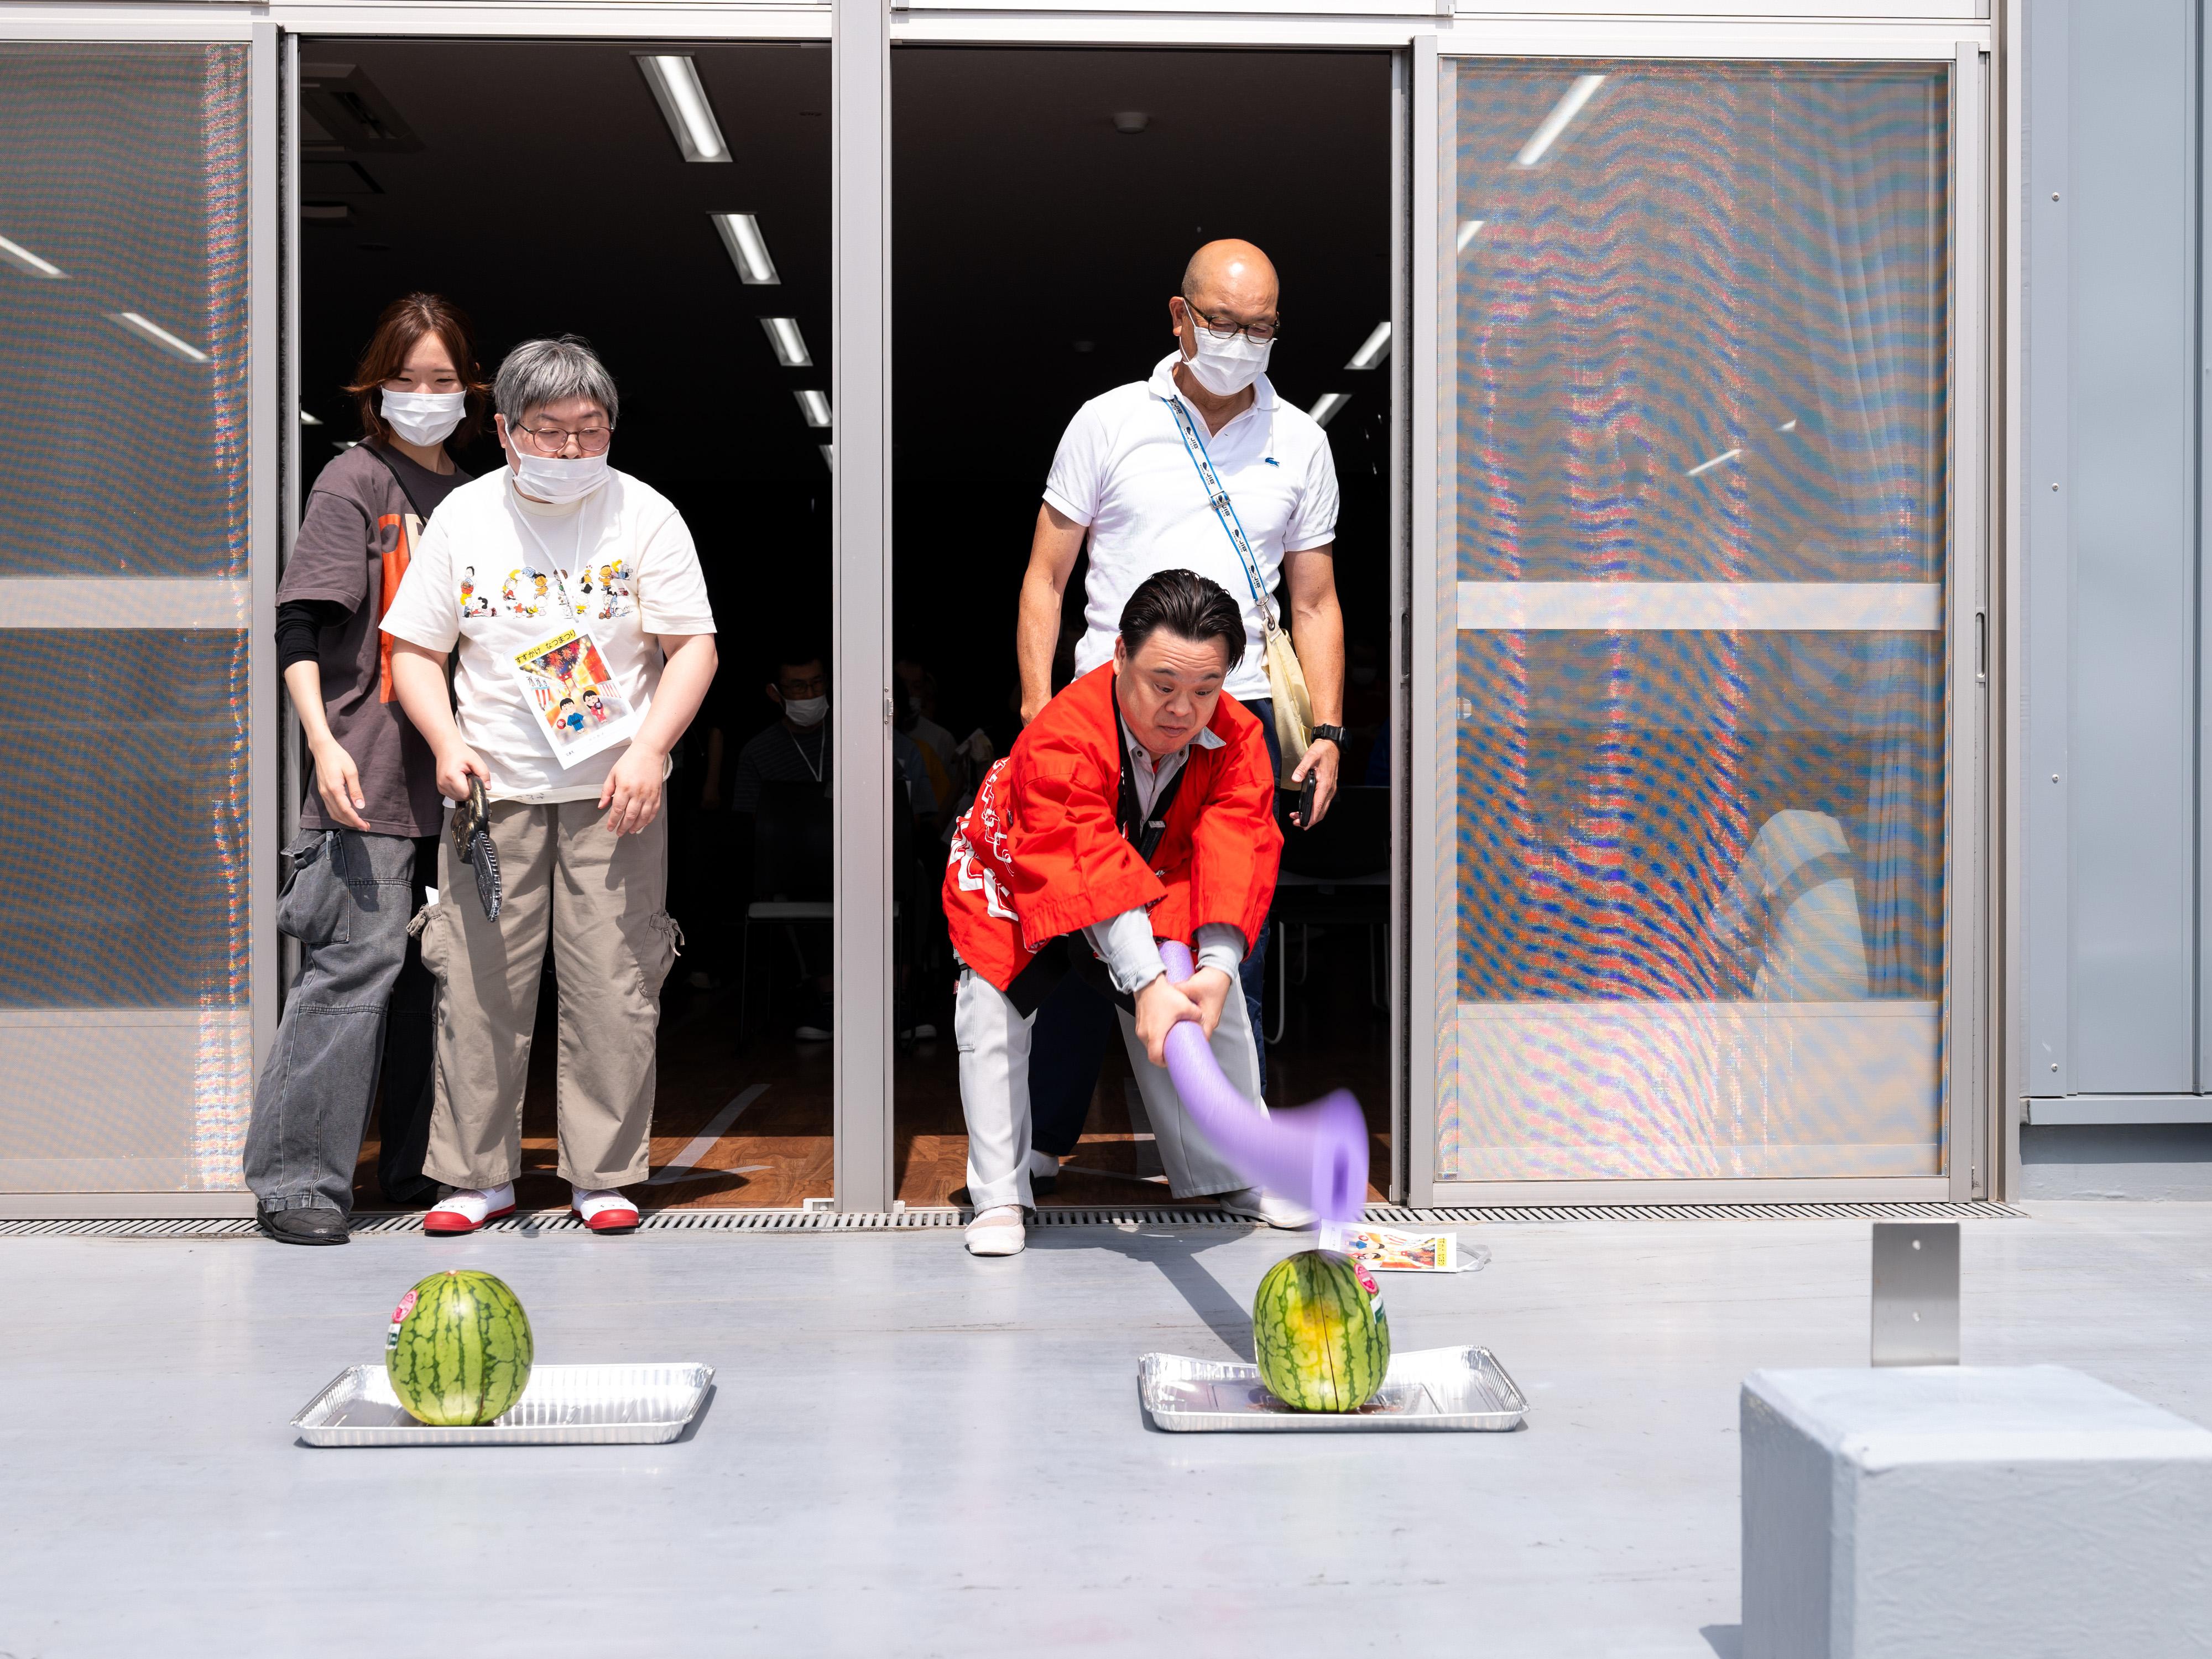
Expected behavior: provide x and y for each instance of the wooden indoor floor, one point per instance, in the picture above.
(748, 1123)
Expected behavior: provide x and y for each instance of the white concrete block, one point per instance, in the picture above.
(1950, 1510)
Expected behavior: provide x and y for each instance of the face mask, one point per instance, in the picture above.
(425, 417)
(1225, 367)
(805, 711)
(560, 482)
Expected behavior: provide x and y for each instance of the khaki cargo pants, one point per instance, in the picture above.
(603, 897)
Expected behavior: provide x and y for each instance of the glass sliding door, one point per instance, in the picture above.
(129, 965)
(1690, 711)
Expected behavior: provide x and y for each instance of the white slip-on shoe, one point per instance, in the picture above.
(1263, 1206)
(998, 1230)
(465, 1211)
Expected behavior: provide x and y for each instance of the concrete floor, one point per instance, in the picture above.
(911, 1453)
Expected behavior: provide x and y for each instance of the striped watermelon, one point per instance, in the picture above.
(458, 1350)
(1320, 1334)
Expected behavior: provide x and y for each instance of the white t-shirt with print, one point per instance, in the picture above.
(493, 571)
(1122, 471)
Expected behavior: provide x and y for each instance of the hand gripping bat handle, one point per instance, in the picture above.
(1312, 1155)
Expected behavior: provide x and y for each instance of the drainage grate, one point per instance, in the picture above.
(1055, 1215)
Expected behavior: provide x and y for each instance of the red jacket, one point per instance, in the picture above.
(1039, 853)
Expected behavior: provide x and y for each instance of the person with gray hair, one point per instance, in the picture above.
(570, 596)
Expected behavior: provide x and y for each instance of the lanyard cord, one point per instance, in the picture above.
(1216, 495)
(813, 766)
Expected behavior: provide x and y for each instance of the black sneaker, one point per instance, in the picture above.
(304, 1226)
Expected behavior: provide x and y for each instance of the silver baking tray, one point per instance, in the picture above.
(564, 1405)
(1434, 1388)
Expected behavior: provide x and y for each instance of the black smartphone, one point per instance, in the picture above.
(1304, 818)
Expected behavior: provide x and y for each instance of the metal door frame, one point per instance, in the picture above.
(861, 33)
(224, 601)
(1967, 1115)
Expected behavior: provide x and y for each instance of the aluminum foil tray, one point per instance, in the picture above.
(564, 1405)
(1434, 1388)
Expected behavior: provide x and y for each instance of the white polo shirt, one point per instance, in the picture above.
(1123, 473)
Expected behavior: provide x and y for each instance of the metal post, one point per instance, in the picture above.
(860, 339)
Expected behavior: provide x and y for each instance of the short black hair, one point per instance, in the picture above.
(796, 657)
(1186, 606)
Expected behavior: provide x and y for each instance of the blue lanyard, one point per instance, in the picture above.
(1217, 494)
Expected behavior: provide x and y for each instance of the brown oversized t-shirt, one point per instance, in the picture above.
(355, 540)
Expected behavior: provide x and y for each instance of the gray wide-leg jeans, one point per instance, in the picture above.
(348, 903)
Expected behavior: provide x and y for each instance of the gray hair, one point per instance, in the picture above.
(541, 371)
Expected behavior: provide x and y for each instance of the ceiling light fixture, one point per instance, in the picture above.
(1569, 107)
(1326, 411)
(789, 344)
(1374, 349)
(741, 234)
(306, 419)
(18, 254)
(1130, 121)
(683, 105)
(829, 455)
(1721, 459)
(1468, 233)
(815, 405)
(149, 328)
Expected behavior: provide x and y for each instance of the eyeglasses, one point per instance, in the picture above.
(1258, 332)
(813, 688)
(552, 440)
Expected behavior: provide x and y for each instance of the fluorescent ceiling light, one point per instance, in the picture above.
(149, 328)
(1721, 459)
(1569, 107)
(741, 234)
(683, 105)
(17, 254)
(829, 455)
(1374, 349)
(1468, 233)
(815, 405)
(1325, 412)
(306, 419)
(790, 346)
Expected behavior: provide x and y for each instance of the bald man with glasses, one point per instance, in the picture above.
(1129, 480)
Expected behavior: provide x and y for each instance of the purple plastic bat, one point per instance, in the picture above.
(1313, 1155)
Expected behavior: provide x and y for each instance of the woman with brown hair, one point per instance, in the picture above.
(368, 828)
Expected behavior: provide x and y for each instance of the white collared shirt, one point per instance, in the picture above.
(1122, 471)
(1125, 944)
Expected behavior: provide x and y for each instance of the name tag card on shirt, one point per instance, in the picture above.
(580, 708)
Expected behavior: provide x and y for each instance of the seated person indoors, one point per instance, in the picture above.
(1138, 805)
(796, 749)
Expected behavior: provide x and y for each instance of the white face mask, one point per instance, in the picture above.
(425, 417)
(805, 711)
(1225, 367)
(560, 482)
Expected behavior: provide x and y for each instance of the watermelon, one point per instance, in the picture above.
(1320, 1334)
(459, 1350)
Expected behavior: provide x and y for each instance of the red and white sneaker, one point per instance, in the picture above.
(607, 1211)
(466, 1211)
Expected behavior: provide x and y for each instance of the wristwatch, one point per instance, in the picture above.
(1334, 734)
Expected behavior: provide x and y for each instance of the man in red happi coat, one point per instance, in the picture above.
(1137, 807)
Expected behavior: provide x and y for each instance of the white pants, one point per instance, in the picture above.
(995, 1094)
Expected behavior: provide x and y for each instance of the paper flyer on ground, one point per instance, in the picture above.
(1388, 1250)
(580, 709)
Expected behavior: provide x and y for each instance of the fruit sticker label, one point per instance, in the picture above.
(398, 1318)
(1367, 1283)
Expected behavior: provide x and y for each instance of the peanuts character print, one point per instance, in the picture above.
(610, 584)
(525, 592)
